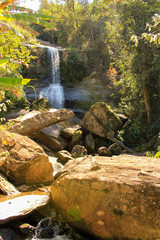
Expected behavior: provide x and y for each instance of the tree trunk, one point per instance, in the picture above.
(145, 89)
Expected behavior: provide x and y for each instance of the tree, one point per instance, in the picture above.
(11, 42)
(138, 67)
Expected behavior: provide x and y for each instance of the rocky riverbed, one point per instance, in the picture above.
(52, 162)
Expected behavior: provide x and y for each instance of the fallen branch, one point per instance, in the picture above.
(113, 139)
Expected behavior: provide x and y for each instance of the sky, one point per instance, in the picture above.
(32, 4)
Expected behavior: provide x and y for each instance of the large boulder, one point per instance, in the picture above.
(101, 120)
(24, 161)
(36, 120)
(110, 197)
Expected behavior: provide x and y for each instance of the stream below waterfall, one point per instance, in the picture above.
(49, 229)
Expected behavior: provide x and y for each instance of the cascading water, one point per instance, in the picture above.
(54, 92)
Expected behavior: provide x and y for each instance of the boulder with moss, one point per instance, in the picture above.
(101, 120)
(78, 151)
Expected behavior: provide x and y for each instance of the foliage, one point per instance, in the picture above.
(153, 154)
(75, 66)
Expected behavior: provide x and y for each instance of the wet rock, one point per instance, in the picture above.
(110, 197)
(101, 120)
(115, 149)
(27, 229)
(90, 143)
(8, 233)
(44, 229)
(78, 151)
(104, 151)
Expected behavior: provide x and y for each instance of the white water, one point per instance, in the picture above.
(54, 92)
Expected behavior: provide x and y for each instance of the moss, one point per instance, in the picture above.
(75, 214)
(78, 134)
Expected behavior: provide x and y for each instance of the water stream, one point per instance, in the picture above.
(54, 91)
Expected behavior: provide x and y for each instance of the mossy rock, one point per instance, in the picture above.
(78, 151)
(101, 120)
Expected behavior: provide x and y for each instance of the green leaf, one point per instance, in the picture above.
(46, 24)
(3, 62)
(42, 16)
(14, 81)
(31, 17)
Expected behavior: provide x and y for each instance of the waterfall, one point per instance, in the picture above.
(54, 92)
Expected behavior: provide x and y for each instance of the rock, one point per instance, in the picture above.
(64, 156)
(76, 138)
(69, 132)
(78, 151)
(36, 120)
(25, 161)
(16, 114)
(27, 229)
(90, 143)
(21, 205)
(104, 151)
(56, 165)
(7, 233)
(50, 137)
(115, 149)
(111, 198)
(101, 120)
(6, 187)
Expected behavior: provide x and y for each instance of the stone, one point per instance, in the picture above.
(51, 138)
(115, 149)
(36, 120)
(25, 161)
(69, 132)
(64, 156)
(78, 151)
(104, 151)
(76, 139)
(90, 143)
(110, 197)
(21, 205)
(8, 233)
(101, 120)
(6, 187)
(27, 229)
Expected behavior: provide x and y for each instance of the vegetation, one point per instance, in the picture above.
(117, 39)
(13, 52)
